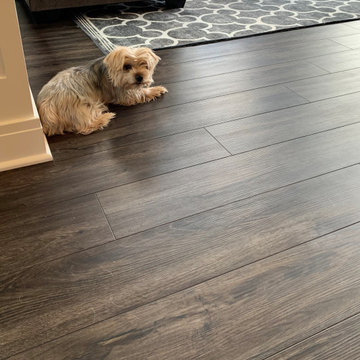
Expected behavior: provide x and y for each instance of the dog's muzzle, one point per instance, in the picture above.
(139, 79)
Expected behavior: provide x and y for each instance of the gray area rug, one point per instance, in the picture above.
(200, 21)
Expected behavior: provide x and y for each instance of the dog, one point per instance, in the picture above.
(75, 99)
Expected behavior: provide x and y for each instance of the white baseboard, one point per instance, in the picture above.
(23, 143)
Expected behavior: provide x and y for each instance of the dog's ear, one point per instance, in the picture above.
(152, 58)
(114, 62)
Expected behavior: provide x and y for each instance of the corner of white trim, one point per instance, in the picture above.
(24, 143)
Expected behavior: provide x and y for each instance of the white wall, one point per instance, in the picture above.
(22, 141)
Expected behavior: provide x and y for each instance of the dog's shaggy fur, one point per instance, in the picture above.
(75, 99)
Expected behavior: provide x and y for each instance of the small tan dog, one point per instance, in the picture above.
(75, 99)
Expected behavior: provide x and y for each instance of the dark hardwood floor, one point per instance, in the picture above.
(220, 222)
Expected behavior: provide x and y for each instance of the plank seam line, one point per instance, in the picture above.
(210, 125)
(313, 335)
(106, 219)
(184, 289)
(222, 145)
(172, 221)
(288, 140)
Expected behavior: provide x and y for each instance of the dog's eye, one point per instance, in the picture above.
(127, 67)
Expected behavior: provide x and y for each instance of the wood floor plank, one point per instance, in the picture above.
(50, 232)
(296, 38)
(351, 41)
(88, 174)
(130, 208)
(87, 287)
(131, 127)
(327, 86)
(282, 125)
(232, 82)
(243, 61)
(338, 62)
(53, 47)
(231, 258)
(338, 342)
(249, 313)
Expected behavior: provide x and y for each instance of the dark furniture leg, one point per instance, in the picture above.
(175, 3)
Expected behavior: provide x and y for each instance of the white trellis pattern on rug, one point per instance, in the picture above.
(151, 24)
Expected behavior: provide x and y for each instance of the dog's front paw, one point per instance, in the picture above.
(154, 92)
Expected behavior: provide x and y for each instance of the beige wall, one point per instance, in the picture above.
(22, 141)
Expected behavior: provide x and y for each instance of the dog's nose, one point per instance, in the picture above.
(139, 79)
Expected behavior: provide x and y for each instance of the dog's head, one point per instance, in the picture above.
(131, 68)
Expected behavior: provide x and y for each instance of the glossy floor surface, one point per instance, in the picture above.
(220, 222)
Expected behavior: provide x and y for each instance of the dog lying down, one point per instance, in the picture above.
(75, 99)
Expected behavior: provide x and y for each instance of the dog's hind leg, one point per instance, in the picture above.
(97, 123)
(50, 118)
(91, 117)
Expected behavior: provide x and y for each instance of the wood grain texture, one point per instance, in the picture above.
(50, 232)
(283, 125)
(88, 174)
(134, 127)
(327, 86)
(235, 81)
(236, 258)
(130, 208)
(338, 342)
(53, 47)
(87, 287)
(249, 313)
